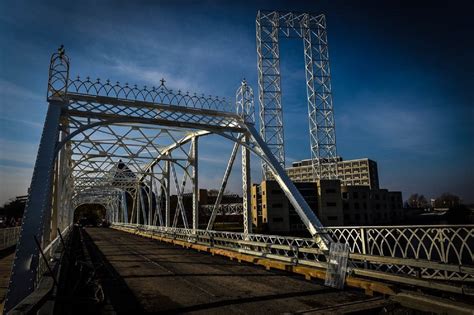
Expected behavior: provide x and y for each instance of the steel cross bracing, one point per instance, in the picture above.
(125, 148)
(311, 28)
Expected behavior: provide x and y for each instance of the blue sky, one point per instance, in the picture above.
(402, 76)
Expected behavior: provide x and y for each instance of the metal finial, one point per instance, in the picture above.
(162, 81)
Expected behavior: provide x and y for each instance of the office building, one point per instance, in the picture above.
(358, 172)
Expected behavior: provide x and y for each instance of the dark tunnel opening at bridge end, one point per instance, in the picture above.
(90, 215)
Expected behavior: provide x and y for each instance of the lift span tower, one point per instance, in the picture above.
(311, 28)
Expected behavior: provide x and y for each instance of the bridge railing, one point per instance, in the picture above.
(448, 243)
(412, 261)
(9, 236)
(440, 245)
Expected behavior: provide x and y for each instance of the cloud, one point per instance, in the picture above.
(20, 152)
(148, 74)
(30, 123)
(13, 91)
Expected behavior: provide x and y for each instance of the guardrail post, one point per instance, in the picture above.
(166, 175)
(440, 238)
(443, 257)
(363, 240)
(296, 251)
(195, 184)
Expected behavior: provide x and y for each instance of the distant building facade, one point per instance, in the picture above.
(365, 206)
(271, 209)
(334, 204)
(358, 172)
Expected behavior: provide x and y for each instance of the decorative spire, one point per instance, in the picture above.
(61, 50)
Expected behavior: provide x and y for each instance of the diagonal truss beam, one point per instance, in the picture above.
(227, 172)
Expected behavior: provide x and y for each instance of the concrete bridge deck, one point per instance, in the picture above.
(167, 278)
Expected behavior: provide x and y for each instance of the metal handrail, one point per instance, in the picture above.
(9, 236)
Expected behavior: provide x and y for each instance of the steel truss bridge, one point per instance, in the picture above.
(129, 149)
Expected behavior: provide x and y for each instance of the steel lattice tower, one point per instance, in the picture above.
(312, 29)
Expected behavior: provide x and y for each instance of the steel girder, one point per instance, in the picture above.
(312, 29)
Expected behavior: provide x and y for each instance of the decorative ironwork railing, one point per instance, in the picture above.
(447, 244)
(452, 244)
(156, 95)
(409, 255)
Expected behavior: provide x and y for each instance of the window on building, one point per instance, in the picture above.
(330, 191)
(330, 204)
(366, 217)
(346, 218)
(364, 195)
(355, 195)
(345, 206)
(344, 195)
(364, 206)
(356, 205)
(332, 218)
(377, 206)
(357, 216)
(277, 219)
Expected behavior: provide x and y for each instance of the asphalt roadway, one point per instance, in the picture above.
(146, 275)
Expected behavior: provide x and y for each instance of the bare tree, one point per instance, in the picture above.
(447, 200)
(417, 201)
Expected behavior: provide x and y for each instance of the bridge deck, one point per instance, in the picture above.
(6, 261)
(163, 277)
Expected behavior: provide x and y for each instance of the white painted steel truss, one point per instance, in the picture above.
(125, 148)
(311, 28)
